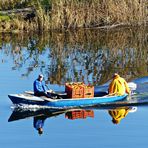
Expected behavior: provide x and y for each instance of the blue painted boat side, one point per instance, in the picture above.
(85, 102)
(67, 102)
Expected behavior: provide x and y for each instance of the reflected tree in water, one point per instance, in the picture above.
(91, 56)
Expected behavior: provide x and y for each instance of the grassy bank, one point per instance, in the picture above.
(65, 14)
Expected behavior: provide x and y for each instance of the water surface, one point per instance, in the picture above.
(90, 56)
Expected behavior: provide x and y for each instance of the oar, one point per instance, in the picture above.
(42, 97)
(29, 92)
(58, 94)
(49, 90)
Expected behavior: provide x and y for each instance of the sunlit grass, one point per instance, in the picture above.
(65, 14)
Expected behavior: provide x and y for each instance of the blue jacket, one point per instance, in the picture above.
(39, 86)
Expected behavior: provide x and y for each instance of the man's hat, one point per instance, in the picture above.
(41, 76)
(115, 74)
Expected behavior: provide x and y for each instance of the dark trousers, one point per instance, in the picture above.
(100, 93)
(39, 94)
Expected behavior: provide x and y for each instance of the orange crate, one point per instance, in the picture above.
(74, 90)
(88, 91)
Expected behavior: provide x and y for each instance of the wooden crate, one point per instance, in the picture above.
(74, 90)
(88, 92)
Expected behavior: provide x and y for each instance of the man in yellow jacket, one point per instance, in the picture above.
(118, 86)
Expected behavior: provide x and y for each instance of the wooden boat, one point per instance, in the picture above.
(62, 103)
(99, 98)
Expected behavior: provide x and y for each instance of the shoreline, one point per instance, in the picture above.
(101, 28)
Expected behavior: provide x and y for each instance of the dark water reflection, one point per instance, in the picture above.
(91, 56)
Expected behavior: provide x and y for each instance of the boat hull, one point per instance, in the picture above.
(62, 103)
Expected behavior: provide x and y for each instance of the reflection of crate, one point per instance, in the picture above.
(89, 113)
(74, 90)
(88, 92)
(79, 114)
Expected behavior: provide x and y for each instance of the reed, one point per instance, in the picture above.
(95, 13)
(11, 4)
(66, 14)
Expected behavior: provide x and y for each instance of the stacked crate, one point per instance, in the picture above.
(74, 90)
(79, 90)
(88, 91)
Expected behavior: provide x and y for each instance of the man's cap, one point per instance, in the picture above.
(41, 76)
(115, 74)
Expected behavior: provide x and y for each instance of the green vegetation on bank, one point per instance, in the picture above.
(4, 17)
(65, 14)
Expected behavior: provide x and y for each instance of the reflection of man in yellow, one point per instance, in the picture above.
(118, 114)
(118, 86)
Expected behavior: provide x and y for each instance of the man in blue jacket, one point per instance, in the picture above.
(40, 88)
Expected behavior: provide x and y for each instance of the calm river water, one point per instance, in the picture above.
(90, 56)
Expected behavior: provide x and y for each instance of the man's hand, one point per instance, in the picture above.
(50, 91)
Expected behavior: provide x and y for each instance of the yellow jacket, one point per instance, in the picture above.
(118, 86)
(118, 114)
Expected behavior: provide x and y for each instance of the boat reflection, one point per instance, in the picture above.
(19, 113)
(40, 115)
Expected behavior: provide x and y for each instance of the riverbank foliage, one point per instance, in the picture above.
(66, 14)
